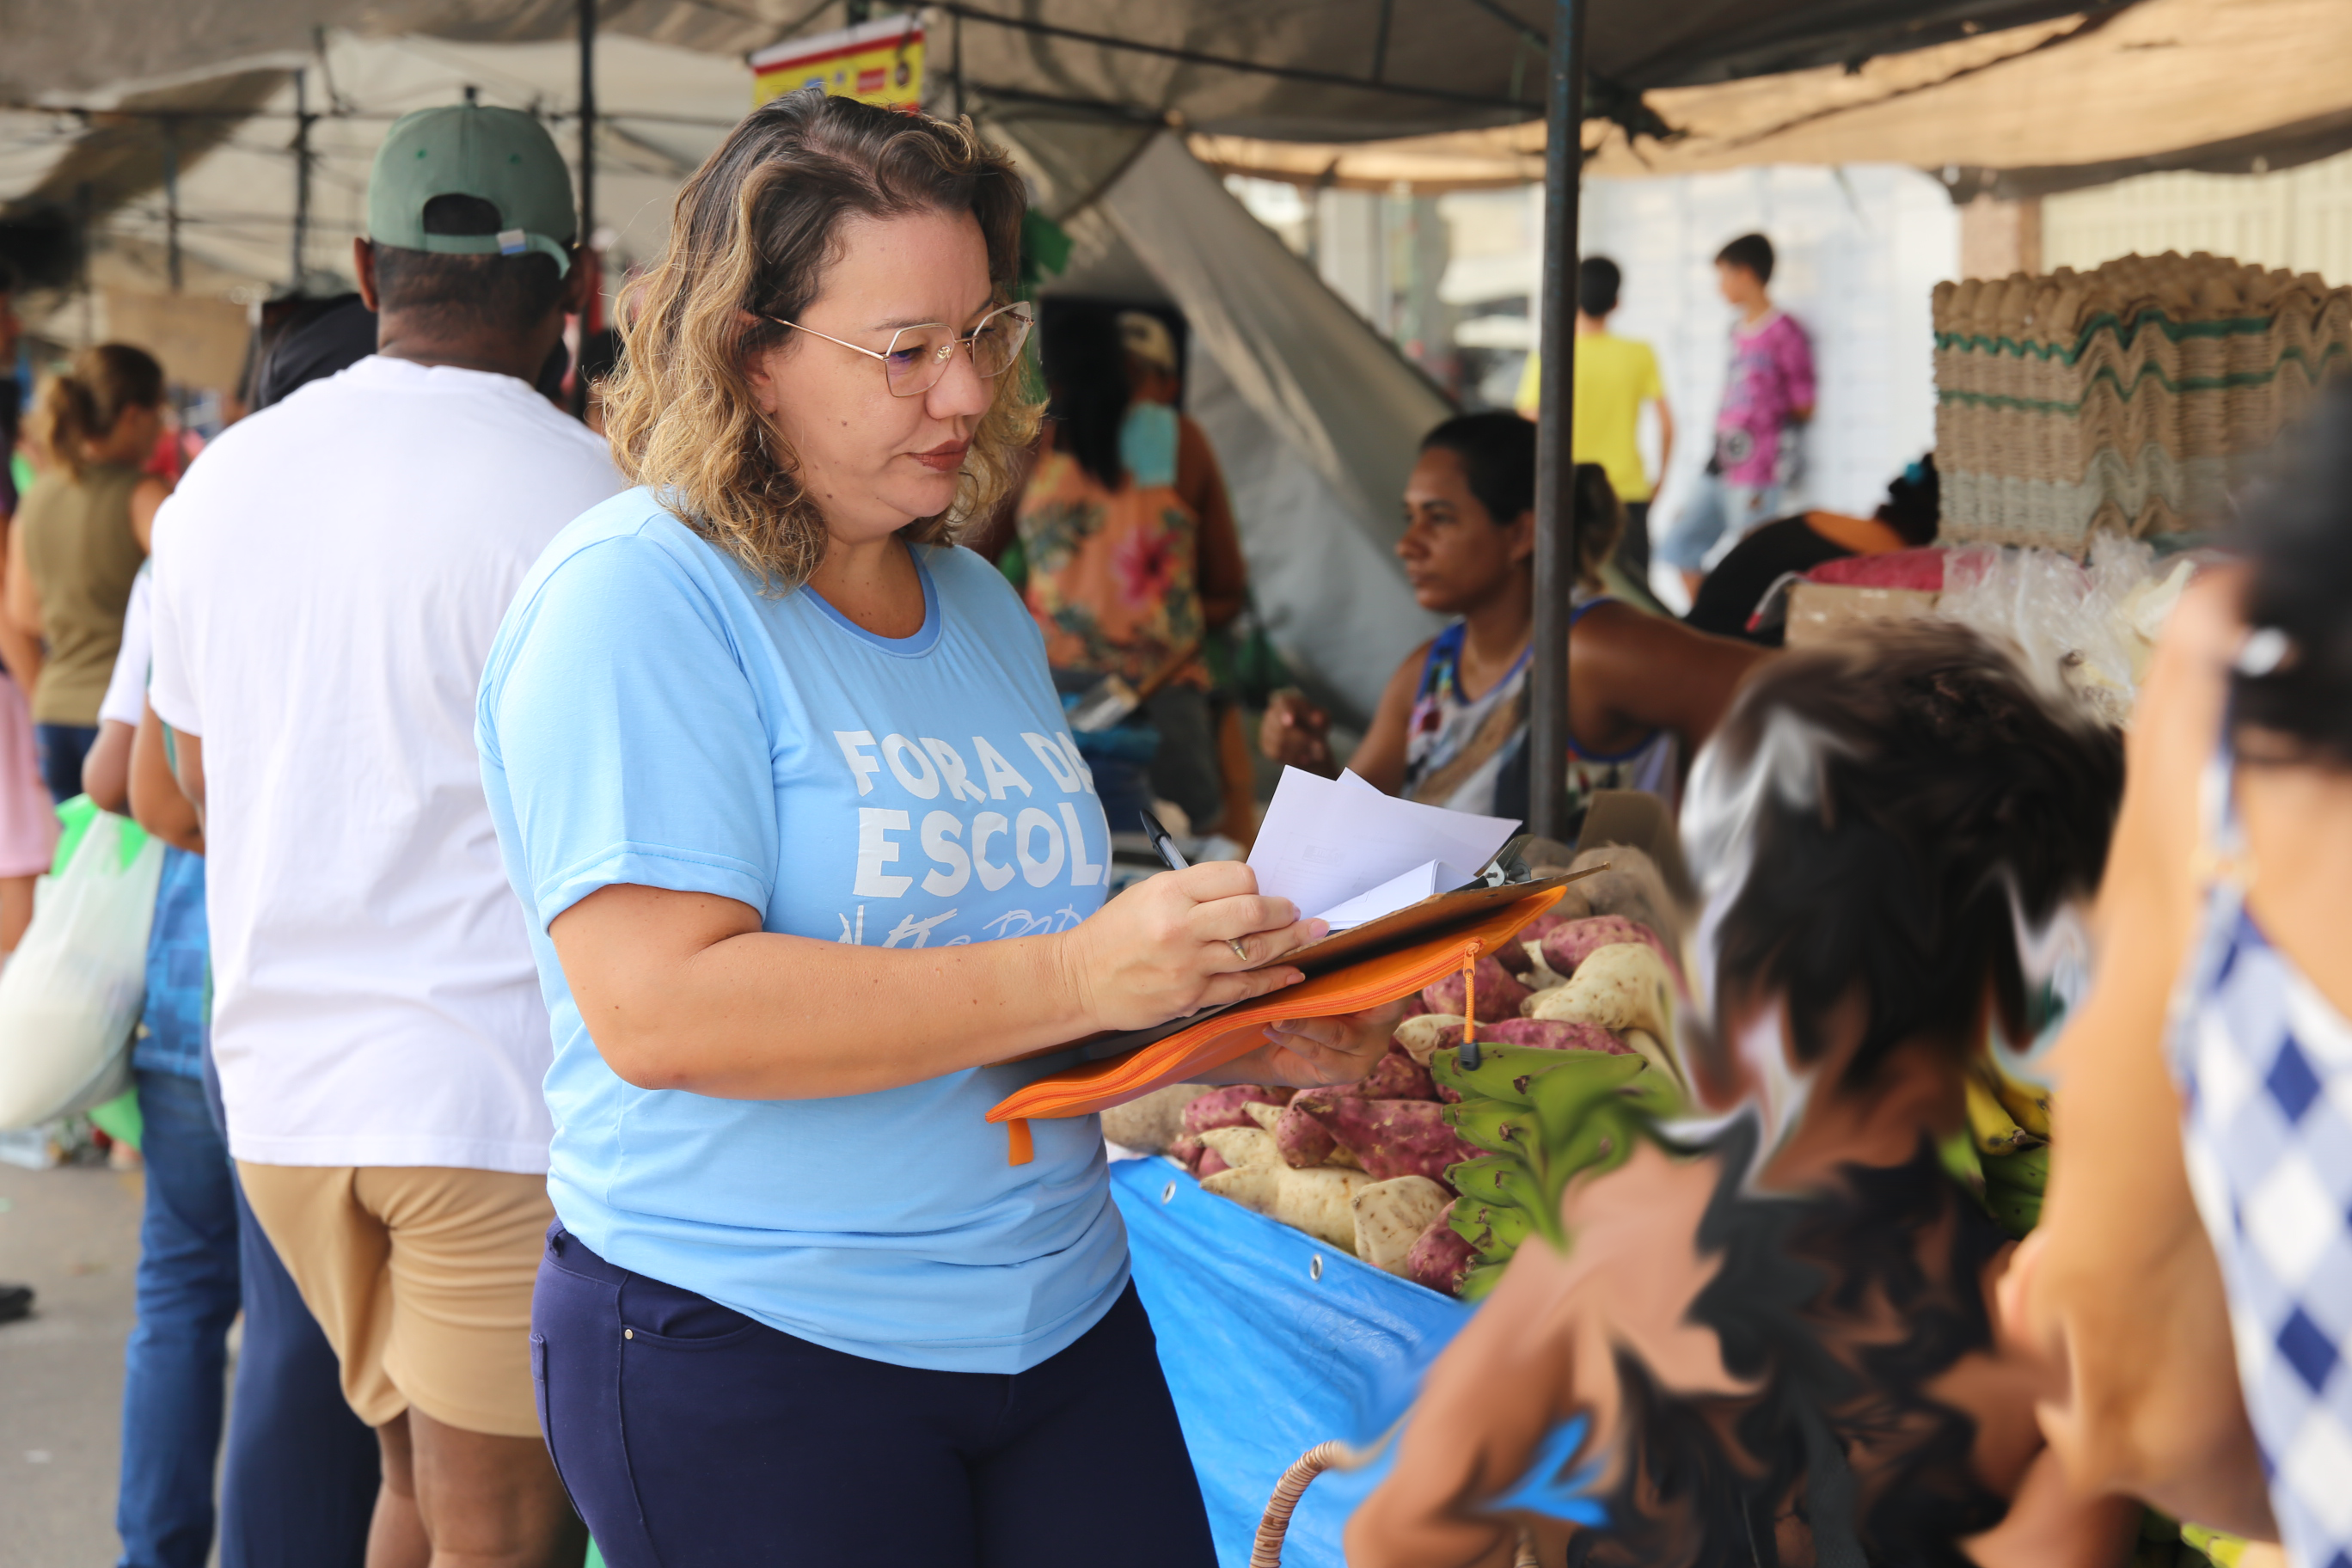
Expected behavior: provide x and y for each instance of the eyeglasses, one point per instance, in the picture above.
(918, 357)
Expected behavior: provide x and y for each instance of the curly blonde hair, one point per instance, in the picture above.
(751, 237)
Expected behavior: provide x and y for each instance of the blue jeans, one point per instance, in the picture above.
(1717, 514)
(178, 1355)
(298, 1485)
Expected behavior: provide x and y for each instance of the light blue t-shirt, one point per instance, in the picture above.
(649, 716)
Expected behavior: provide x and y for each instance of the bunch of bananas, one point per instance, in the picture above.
(2009, 1136)
(1546, 1116)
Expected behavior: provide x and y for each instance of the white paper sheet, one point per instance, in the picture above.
(1325, 841)
(1393, 895)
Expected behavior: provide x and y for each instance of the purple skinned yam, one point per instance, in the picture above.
(1441, 1256)
(1514, 954)
(1187, 1151)
(1398, 1076)
(1558, 1035)
(1210, 1163)
(1301, 1139)
(1222, 1108)
(1392, 1138)
(1570, 942)
(1499, 995)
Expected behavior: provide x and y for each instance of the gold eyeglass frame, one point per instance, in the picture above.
(946, 350)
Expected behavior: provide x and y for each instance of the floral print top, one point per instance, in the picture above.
(1113, 575)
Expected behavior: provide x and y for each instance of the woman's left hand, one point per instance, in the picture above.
(1301, 1052)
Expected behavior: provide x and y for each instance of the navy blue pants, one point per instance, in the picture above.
(299, 1481)
(61, 748)
(690, 1435)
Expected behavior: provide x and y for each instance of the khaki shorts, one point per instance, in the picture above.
(421, 1277)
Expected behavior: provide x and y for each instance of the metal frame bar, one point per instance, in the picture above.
(587, 192)
(1548, 735)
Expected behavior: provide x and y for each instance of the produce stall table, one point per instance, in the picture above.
(1273, 1341)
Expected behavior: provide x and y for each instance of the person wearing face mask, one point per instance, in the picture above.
(79, 539)
(1452, 726)
(810, 859)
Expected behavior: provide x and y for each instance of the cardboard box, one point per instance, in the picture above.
(1818, 610)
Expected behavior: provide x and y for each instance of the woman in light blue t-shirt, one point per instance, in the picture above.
(782, 775)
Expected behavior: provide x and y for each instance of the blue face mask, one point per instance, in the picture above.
(1147, 444)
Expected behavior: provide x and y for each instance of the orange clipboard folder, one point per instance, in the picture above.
(1386, 960)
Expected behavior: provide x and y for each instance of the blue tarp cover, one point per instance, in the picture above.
(1265, 1359)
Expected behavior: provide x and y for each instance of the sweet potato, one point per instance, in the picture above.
(1414, 1006)
(1244, 1147)
(1261, 1115)
(1187, 1151)
(1622, 986)
(1439, 1258)
(1301, 1138)
(1396, 1138)
(1209, 1163)
(1523, 954)
(1555, 1035)
(1570, 942)
(1316, 1201)
(1425, 1035)
(1398, 1076)
(1222, 1106)
(1498, 994)
(1391, 1216)
(1152, 1123)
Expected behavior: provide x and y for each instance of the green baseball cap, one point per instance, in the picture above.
(502, 156)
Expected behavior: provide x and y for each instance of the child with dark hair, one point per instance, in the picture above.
(1771, 1339)
(1768, 393)
(2202, 1366)
(1615, 377)
(1452, 726)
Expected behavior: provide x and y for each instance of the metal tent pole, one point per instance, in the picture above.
(171, 129)
(587, 189)
(302, 178)
(1547, 731)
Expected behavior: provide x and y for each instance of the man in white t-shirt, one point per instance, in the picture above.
(327, 583)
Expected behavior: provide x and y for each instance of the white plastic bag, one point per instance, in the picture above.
(72, 991)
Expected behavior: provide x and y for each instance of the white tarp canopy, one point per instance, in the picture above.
(1314, 415)
(2221, 86)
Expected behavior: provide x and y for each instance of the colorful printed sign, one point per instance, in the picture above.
(879, 61)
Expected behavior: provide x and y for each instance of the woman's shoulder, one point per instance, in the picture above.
(967, 581)
(625, 554)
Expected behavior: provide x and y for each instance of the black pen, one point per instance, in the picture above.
(1163, 843)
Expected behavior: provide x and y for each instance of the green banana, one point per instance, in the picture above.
(1502, 1129)
(1962, 1163)
(1503, 1073)
(1498, 1176)
(1481, 1279)
(1494, 1228)
(2028, 1170)
(2015, 1211)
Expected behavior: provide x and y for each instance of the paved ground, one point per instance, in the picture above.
(73, 1234)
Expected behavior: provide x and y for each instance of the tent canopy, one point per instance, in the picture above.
(2221, 86)
(99, 98)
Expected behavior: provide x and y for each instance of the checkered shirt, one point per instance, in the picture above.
(2264, 1064)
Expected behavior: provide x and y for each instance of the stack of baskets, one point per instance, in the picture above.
(2126, 398)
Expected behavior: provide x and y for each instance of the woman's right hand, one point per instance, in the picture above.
(1296, 733)
(1161, 950)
